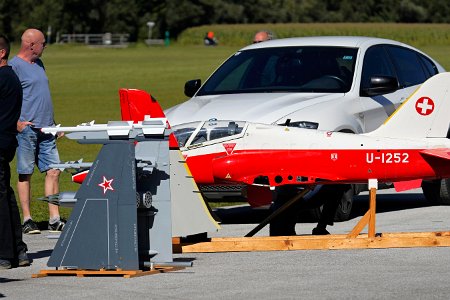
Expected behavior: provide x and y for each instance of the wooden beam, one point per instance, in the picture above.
(372, 210)
(368, 218)
(386, 240)
(353, 240)
(103, 272)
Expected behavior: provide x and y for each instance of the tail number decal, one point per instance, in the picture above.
(388, 158)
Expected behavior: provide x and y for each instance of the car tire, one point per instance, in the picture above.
(437, 191)
(345, 203)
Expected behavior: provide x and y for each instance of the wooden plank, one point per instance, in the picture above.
(388, 240)
(360, 225)
(102, 272)
(372, 210)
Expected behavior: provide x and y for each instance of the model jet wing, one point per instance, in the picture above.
(437, 153)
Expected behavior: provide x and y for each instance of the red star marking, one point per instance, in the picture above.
(424, 106)
(106, 184)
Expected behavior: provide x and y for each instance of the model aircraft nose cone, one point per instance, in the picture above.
(201, 169)
(226, 168)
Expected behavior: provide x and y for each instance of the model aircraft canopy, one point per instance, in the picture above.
(211, 131)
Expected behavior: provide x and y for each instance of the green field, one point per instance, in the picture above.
(85, 82)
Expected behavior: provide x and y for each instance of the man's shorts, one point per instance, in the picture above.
(37, 148)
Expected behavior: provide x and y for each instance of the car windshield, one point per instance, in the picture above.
(284, 69)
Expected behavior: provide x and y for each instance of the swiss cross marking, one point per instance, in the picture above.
(424, 106)
(229, 147)
(106, 184)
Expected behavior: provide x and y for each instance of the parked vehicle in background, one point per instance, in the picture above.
(336, 83)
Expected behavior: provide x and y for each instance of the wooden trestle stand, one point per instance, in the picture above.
(352, 240)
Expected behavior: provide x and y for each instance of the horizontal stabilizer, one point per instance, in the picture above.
(443, 153)
(401, 186)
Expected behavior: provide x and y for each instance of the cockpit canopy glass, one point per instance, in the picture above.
(196, 133)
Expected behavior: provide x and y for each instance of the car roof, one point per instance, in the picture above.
(340, 41)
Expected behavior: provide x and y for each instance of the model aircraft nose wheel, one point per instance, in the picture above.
(147, 199)
(144, 201)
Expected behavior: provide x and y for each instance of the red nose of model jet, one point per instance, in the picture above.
(228, 168)
(201, 168)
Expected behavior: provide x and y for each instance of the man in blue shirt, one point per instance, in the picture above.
(37, 112)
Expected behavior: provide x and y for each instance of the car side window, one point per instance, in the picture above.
(409, 68)
(429, 66)
(376, 63)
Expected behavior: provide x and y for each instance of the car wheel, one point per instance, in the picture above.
(437, 191)
(345, 205)
(343, 194)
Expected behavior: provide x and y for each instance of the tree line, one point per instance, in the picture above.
(173, 16)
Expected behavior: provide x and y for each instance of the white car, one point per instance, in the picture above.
(336, 83)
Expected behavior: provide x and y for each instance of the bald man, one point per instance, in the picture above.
(34, 146)
(262, 36)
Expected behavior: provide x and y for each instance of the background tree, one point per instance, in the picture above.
(122, 16)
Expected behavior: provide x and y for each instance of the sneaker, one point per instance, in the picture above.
(23, 259)
(29, 227)
(5, 264)
(57, 226)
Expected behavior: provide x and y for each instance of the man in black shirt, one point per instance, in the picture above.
(13, 251)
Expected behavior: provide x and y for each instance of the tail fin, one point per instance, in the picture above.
(425, 114)
(105, 208)
(136, 104)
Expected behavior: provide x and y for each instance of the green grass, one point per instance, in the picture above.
(85, 82)
(240, 35)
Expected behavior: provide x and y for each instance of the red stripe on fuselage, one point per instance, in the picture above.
(307, 166)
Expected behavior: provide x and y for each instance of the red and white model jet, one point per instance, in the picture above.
(413, 144)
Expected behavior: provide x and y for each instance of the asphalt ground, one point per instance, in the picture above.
(408, 273)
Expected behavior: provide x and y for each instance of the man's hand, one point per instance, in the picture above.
(21, 125)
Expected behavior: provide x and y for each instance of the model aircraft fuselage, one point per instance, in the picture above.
(275, 155)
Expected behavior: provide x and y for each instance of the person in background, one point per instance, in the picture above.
(262, 36)
(12, 248)
(35, 147)
(210, 39)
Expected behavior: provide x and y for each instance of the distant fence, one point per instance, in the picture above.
(98, 39)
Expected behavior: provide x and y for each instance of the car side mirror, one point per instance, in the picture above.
(191, 87)
(380, 85)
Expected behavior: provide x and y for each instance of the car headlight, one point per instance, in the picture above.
(301, 124)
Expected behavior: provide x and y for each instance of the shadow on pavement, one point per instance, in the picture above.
(40, 254)
(244, 214)
(4, 280)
